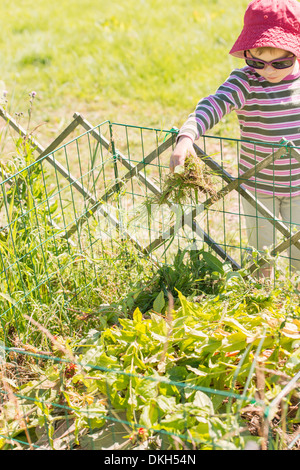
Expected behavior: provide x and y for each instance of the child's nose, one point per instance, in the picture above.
(269, 69)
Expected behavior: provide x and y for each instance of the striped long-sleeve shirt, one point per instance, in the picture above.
(266, 113)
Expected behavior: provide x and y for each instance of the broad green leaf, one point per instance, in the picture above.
(137, 315)
(166, 404)
(94, 417)
(294, 360)
(194, 333)
(159, 302)
(209, 346)
(174, 421)
(128, 336)
(214, 263)
(234, 278)
(237, 326)
(197, 371)
(202, 428)
(189, 308)
(138, 363)
(96, 356)
(149, 415)
(160, 338)
(146, 389)
(235, 341)
(202, 401)
(177, 373)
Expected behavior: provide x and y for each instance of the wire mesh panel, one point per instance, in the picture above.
(57, 223)
(264, 201)
(75, 223)
(160, 225)
(215, 214)
(54, 248)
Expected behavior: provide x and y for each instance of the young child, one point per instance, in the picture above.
(265, 94)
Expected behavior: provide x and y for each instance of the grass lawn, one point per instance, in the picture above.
(139, 62)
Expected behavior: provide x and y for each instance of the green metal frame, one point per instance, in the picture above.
(67, 212)
(136, 170)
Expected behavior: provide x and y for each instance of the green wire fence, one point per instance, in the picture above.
(184, 421)
(70, 218)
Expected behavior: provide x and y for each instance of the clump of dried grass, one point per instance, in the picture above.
(188, 186)
(185, 184)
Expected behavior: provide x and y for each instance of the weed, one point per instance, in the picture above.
(185, 183)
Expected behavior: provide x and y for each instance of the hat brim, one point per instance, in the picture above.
(274, 37)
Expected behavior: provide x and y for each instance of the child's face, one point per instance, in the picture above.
(270, 73)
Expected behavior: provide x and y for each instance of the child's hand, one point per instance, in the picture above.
(183, 147)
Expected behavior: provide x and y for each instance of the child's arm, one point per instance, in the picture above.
(209, 111)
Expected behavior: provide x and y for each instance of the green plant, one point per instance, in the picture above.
(65, 286)
(198, 376)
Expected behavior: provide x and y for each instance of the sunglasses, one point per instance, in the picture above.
(278, 64)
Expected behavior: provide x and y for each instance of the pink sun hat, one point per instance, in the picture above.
(270, 23)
